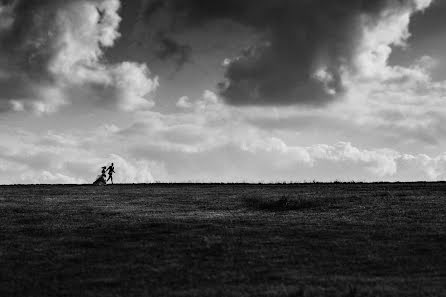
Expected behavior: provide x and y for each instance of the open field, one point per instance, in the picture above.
(223, 240)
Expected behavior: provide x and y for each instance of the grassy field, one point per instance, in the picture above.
(223, 240)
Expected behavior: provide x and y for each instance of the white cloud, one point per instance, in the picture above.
(377, 37)
(184, 102)
(68, 158)
(382, 163)
(219, 143)
(211, 144)
(46, 177)
(132, 171)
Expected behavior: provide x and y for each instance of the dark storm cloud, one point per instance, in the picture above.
(302, 48)
(169, 48)
(24, 43)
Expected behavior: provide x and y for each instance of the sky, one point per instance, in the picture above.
(222, 90)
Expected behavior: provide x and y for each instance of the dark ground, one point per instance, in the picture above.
(223, 240)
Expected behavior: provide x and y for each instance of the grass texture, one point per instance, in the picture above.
(306, 240)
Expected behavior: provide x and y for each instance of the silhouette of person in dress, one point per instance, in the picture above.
(100, 180)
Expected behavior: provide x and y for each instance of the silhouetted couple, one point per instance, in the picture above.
(110, 170)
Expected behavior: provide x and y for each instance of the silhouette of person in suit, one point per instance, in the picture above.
(111, 170)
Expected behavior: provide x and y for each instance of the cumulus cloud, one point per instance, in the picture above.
(206, 141)
(51, 54)
(134, 171)
(211, 141)
(69, 158)
(379, 164)
(46, 177)
(305, 51)
(184, 102)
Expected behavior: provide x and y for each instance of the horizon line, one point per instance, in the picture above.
(237, 183)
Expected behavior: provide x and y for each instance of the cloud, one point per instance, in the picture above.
(381, 163)
(134, 171)
(388, 114)
(51, 54)
(184, 102)
(46, 177)
(171, 49)
(304, 52)
(279, 161)
(210, 141)
(69, 158)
